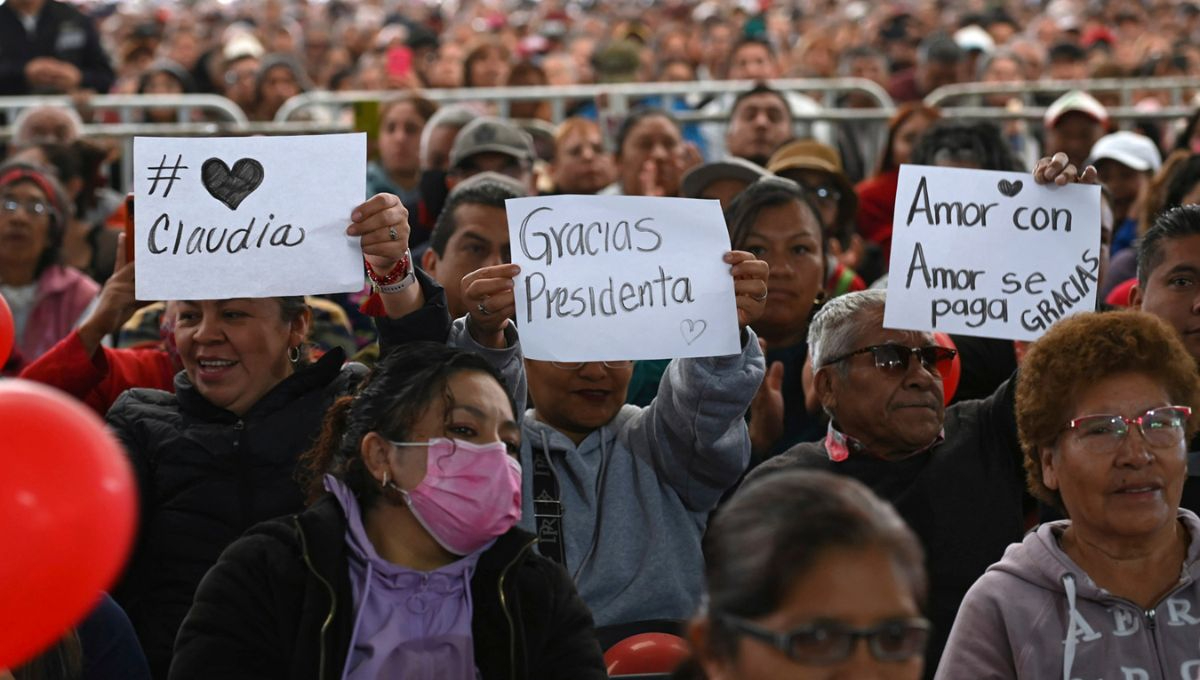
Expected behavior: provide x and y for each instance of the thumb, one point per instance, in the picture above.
(775, 376)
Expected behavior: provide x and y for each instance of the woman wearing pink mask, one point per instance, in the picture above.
(406, 564)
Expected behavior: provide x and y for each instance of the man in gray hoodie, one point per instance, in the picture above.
(619, 494)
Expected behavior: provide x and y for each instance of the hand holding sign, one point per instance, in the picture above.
(1059, 170)
(749, 285)
(488, 294)
(382, 224)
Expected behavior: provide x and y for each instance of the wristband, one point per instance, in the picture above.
(408, 280)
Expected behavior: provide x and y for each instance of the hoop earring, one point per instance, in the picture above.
(294, 354)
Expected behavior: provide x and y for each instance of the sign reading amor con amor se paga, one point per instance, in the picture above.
(622, 277)
(990, 254)
(247, 216)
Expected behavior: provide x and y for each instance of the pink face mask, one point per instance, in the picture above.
(470, 495)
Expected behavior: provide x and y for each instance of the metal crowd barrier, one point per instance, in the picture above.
(617, 99)
(127, 106)
(1179, 87)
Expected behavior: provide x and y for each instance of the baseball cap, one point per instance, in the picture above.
(696, 180)
(494, 135)
(974, 39)
(1135, 151)
(1075, 101)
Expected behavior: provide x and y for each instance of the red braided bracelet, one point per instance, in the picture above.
(398, 271)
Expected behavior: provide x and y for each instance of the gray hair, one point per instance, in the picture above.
(986, 61)
(454, 115)
(23, 137)
(841, 322)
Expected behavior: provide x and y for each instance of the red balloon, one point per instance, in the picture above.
(7, 331)
(646, 653)
(68, 506)
(949, 377)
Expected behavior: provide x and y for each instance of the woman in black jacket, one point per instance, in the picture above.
(407, 564)
(219, 455)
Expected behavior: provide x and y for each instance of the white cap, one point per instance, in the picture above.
(1135, 151)
(1075, 100)
(974, 38)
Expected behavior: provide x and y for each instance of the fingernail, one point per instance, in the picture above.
(356, 216)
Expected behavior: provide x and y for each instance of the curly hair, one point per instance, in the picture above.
(1081, 351)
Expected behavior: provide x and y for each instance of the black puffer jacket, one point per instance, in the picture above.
(278, 605)
(204, 477)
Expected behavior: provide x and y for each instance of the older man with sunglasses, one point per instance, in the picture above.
(955, 475)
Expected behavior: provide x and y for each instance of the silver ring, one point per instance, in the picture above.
(392, 234)
(759, 299)
(482, 310)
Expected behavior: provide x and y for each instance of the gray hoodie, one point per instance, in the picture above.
(1035, 614)
(637, 492)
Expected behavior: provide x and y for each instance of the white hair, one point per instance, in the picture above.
(23, 137)
(841, 322)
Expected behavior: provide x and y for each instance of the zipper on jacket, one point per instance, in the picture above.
(512, 628)
(1151, 617)
(332, 597)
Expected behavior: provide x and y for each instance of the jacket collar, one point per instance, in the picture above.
(324, 526)
(303, 381)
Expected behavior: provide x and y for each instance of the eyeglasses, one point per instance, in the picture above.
(1161, 427)
(829, 643)
(576, 365)
(823, 193)
(31, 206)
(896, 358)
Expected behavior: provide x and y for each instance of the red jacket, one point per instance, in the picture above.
(876, 209)
(99, 379)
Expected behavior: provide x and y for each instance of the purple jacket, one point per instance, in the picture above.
(1036, 614)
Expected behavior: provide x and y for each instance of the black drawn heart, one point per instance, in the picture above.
(1010, 189)
(692, 329)
(231, 187)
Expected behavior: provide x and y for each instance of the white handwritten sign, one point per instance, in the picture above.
(247, 216)
(990, 254)
(622, 277)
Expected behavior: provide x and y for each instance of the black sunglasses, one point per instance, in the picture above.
(896, 358)
(829, 643)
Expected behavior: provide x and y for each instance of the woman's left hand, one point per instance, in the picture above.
(382, 222)
(749, 285)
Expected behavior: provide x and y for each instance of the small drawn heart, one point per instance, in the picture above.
(231, 187)
(692, 329)
(1010, 189)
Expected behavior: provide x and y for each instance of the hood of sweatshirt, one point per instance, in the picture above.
(1097, 634)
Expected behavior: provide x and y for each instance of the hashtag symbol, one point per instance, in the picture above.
(161, 173)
